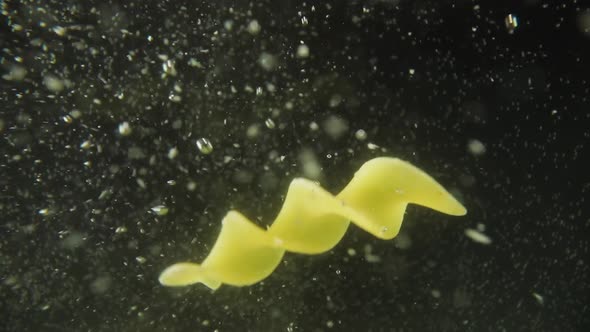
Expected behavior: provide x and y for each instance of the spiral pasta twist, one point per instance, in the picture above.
(313, 221)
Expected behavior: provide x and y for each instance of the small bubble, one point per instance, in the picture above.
(254, 27)
(194, 63)
(476, 147)
(160, 210)
(361, 135)
(67, 119)
(335, 100)
(73, 241)
(60, 31)
(435, 293)
(302, 51)
(191, 186)
(125, 129)
(172, 153)
(105, 194)
(76, 114)
(141, 183)
(101, 284)
(168, 68)
(228, 25)
(15, 73)
(253, 131)
(140, 259)
(85, 145)
(204, 146)
(268, 61)
(335, 127)
(539, 298)
(53, 83)
(120, 230)
(270, 124)
(175, 98)
(177, 124)
(403, 241)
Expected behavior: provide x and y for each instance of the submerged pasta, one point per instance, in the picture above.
(313, 221)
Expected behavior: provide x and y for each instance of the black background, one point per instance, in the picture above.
(523, 95)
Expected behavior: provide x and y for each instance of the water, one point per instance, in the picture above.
(194, 108)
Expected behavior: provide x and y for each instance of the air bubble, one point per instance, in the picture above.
(125, 129)
(204, 146)
(160, 210)
(361, 135)
(476, 147)
(254, 27)
(172, 153)
(302, 51)
(270, 124)
(44, 212)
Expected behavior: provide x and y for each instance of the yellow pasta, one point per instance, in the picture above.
(313, 221)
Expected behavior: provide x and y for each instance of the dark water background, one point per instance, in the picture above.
(422, 78)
